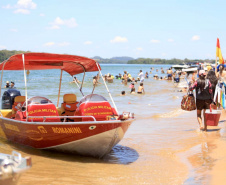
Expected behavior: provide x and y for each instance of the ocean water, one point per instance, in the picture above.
(162, 146)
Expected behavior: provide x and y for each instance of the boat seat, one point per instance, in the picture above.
(15, 108)
(69, 105)
(46, 109)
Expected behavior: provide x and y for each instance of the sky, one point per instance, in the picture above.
(135, 28)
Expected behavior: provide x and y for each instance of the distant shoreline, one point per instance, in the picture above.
(5, 54)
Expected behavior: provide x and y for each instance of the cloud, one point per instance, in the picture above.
(42, 14)
(49, 44)
(155, 41)
(22, 6)
(23, 11)
(13, 30)
(139, 49)
(8, 6)
(119, 39)
(195, 37)
(58, 22)
(88, 42)
(26, 4)
(170, 40)
(2, 47)
(62, 44)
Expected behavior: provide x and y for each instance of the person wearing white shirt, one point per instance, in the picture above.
(141, 76)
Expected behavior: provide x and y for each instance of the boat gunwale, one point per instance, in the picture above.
(69, 123)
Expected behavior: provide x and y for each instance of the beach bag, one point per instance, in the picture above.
(188, 102)
(212, 116)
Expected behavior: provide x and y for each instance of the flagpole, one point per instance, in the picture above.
(216, 66)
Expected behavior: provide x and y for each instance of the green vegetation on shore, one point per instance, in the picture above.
(5, 54)
(164, 61)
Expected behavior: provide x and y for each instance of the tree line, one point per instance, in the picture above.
(165, 61)
(5, 54)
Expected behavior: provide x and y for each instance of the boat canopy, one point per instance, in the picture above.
(72, 64)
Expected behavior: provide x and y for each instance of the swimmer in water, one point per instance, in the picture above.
(75, 80)
(140, 89)
(133, 91)
(123, 93)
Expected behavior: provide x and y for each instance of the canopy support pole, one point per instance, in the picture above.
(107, 89)
(1, 77)
(25, 81)
(59, 87)
(82, 81)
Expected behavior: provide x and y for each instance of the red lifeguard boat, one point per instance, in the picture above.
(88, 127)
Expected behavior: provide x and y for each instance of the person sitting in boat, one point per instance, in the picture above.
(12, 85)
(7, 84)
(140, 89)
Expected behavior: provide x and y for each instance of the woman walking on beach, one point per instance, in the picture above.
(204, 96)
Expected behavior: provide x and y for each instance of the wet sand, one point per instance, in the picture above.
(163, 146)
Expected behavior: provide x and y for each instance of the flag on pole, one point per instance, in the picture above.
(218, 52)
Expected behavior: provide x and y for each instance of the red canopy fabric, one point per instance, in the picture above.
(39, 61)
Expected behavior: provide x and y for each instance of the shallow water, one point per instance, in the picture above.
(162, 146)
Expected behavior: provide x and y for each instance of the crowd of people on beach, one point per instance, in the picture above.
(203, 80)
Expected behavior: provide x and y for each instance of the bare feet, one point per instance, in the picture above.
(201, 128)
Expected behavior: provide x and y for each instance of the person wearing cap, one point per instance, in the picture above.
(7, 84)
(12, 85)
(204, 97)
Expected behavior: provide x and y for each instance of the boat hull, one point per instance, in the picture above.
(83, 138)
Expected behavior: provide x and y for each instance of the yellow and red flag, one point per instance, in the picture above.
(218, 52)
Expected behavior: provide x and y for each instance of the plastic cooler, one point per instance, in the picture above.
(212, 117)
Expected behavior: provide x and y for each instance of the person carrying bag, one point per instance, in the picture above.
(188, 102)
(204, 97)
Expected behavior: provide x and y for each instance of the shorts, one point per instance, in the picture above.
(139, 92)
(169, 75)
(203, 104)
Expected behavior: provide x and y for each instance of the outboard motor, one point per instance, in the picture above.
(8, 98)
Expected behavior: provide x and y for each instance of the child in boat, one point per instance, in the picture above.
(133, 91)
(140, 89)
